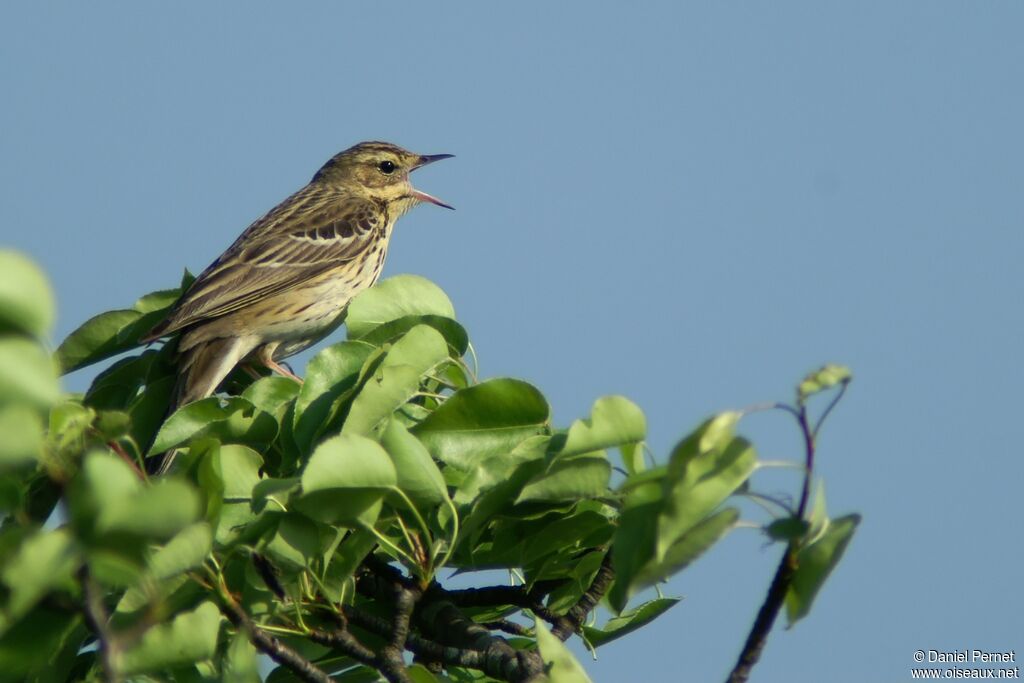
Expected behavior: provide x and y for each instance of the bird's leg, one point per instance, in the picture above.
(266, 357)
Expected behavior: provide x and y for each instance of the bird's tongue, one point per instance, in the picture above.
(424, 197)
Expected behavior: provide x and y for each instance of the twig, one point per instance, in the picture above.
(96, 617)
(271, 646)
(507, 626)
(758, 636)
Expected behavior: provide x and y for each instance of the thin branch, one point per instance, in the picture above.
(577, 614)
(758, 636)
(508, 627)
(272, 647)
(828, 409)
(96, 617)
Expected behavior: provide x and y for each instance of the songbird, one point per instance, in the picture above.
(287, 280)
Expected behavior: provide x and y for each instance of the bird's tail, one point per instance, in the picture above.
(201, 369)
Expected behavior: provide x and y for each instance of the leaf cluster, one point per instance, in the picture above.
(323, 523)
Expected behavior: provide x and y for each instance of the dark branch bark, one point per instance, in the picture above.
(758, 636)
(577, 614)
(272, 647)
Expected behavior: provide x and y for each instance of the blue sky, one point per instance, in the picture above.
(691, 205)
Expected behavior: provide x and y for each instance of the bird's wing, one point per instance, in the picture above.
(310, 232)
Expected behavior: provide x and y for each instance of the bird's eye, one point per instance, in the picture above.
(386, 167)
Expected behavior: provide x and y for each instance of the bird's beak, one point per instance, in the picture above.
(423, 196)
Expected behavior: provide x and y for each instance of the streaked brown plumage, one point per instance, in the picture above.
(286, 281)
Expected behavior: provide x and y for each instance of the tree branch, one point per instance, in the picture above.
(758, 636)
(96, 617)
(271, 646)
(577, 614)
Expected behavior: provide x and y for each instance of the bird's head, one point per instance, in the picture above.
(379, 170)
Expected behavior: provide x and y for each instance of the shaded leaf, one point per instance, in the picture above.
(814, 564)
(43, 561)
(231, 419)
(570, 478)
(704, 470)
(190, 637)
(454, 333)
(329, 374)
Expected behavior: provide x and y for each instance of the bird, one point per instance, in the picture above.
(287, 280)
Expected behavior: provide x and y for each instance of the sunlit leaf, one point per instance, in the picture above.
(418, 475)
(346, 475)
(560, 665)
(614, 421)
(823, 379)
(487, 419)
(627, 622)
(394, 298)
(26, 298)
(27, 373)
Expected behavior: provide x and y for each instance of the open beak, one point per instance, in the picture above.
(423, 196)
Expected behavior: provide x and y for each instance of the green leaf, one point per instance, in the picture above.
(241, 665)
(114, 332)
(103, 336)
(385, 392)
(23, 438)
(823, 379)
(453, 333)
(185, 551)
(570, 478)
(109, 500)
(272, 394)
(27, 373)
(627, 622)
(233, 419)
(43, 561)
(614, 421)
(704, 470)
(418, 475)
(786, 529)
(687, 548)
(560, 665)
(237, 469)
(26, 299)
(487, 419)
(30, 645)
(331, 372)
(346, 475)
(191, 637)
(295, 543)
(814, 564)
(394, 298)
(157, 511)
(633, 546)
